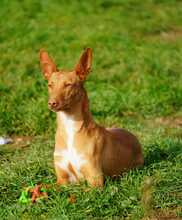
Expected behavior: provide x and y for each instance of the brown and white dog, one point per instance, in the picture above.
(84, 150)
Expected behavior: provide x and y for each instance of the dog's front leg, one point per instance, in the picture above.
(93, 175)
(62, 175)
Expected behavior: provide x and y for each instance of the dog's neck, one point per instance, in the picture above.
(79, 114)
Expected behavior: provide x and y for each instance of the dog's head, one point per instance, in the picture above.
(65, 88)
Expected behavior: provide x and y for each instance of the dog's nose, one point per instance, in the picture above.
(52, 103)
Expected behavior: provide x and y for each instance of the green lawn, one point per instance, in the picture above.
(136, 83)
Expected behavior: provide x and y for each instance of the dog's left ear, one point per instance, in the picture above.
(84, 65)
(47, 64)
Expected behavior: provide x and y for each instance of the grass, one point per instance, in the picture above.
(136, 83)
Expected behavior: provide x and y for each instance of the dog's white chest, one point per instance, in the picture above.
(69, 155)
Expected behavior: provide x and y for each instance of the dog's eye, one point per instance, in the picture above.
(68, 84)
(50, 85)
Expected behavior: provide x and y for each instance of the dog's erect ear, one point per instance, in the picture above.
(83, 67)
(47, 65)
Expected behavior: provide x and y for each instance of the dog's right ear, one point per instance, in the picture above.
(47, 64)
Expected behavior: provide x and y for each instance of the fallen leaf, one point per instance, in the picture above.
(72, 199)
(36, 193)
(24, 197)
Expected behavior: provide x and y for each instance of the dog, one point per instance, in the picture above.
(84, 150)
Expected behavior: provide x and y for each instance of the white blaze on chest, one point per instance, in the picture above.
(69, 154)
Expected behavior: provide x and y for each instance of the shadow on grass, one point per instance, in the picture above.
(166, 150)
